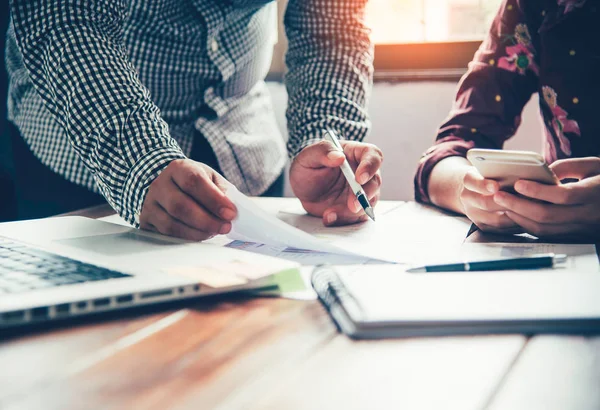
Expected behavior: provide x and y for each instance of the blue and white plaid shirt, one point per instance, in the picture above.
(108, 92)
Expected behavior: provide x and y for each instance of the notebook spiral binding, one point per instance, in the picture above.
(326, 283)
(331, 292)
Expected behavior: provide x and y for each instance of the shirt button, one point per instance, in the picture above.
(214, 45)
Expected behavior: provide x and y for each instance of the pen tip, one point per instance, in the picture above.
(369, 211)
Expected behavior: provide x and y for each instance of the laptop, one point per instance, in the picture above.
(63, 267)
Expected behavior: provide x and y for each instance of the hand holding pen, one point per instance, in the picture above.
(356, 188)
(319, 182)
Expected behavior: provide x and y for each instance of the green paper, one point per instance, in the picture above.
(289, 280)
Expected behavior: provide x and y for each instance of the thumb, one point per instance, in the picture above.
(578, 168)
(221, 183)
(319, 155)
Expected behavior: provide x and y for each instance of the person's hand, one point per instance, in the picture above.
(553, 210)
(477, 199)
(318, 182)
(187, 200)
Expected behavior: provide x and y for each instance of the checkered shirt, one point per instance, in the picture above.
(108, 92)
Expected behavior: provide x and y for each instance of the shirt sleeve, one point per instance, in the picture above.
(330, 70)
(491, 95)
(75, 58)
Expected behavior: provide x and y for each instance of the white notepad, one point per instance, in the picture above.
(384, 301)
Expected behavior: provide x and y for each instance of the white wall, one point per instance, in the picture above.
(405, 117)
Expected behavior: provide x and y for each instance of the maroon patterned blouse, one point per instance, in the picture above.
(551, 47)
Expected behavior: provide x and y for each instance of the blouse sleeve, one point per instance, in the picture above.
(491, 95)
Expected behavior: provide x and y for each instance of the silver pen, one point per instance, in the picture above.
(350, 177)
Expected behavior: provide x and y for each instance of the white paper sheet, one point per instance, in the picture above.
(406, 233)
(253, 224)
(302, 256)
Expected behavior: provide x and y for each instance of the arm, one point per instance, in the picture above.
(74, 55)
(487, 110)
(330, 62)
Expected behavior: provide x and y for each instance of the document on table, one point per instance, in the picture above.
(411, 233)
(254, 225)
(302, 256)
(405, 233)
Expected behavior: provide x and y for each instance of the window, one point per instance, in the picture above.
(417, 39)
(423, 21)
(427, 39)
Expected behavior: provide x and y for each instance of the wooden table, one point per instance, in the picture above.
(268, 353)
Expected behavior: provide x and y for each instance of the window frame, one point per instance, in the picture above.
(423, 61)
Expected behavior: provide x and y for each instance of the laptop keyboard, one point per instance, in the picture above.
(24, 268)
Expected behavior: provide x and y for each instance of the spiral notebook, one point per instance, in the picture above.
(373, 302)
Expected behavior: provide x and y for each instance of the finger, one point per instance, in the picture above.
(513, 230)
(483, 202)
(368, 157)
(371, 188)
(473, 181)
(160, 221)
(322, 154)
(374, 200)
(222, 184)
(339, 215)
(578, 168)
(545, 230)
(198, 184)
(565, 194)
(497, 220)
(541, 212)
(183, 208)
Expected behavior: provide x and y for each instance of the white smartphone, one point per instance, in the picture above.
(507, 167)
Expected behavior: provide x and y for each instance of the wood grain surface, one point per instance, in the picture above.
(241, 352)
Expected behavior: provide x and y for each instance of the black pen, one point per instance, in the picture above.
(548, 260)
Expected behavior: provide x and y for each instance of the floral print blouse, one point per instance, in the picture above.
(549, 47)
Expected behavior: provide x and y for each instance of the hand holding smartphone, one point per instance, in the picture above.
(507, 167)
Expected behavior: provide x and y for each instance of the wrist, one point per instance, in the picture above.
(446, 183)
(141, 175)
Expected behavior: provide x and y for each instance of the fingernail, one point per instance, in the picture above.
(364, 177)
(227, 213)
(499, 199)
(331, 218)
(333, 155)
(491, 187)
(521, 187)
(225, 229)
